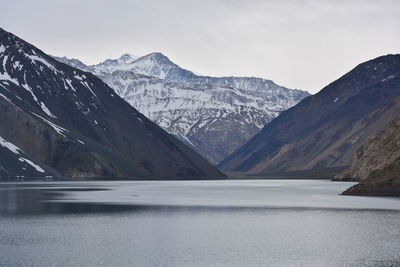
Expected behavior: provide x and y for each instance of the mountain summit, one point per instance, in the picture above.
(109, 65)
(158, 65)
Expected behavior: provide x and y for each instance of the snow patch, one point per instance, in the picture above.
(35, 166)
(16, 150)
(17, 65)
(81, 78)
(27, 88)
(46, 110)
(5, 58)
(56, 128)
(10, 146)
(36, 58)
(69, 82)
(88, 87)
(6, 77)
(388, 78)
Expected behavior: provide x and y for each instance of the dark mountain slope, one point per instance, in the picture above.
(324, 130)
(51, 145)
(110, 132)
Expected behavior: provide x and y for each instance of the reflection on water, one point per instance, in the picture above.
(197, 223)
(37, 201)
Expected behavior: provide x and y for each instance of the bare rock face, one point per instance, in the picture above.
(377, 165)
(375, 154)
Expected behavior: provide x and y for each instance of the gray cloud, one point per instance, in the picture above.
(297, 43)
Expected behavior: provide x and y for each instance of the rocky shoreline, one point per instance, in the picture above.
(377, 165)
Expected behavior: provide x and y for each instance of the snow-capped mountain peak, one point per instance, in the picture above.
(122, 60)
(157, 65)
(110, 65)
(159, 57)
(213, 115)
(127, 58)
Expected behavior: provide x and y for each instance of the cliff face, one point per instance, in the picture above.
(377, 165)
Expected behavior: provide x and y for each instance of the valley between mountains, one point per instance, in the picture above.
(147, 118)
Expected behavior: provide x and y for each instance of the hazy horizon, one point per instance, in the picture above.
(298, 44)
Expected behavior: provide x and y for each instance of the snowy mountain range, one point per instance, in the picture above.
(213, 115)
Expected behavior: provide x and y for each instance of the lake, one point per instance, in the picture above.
(196, 223)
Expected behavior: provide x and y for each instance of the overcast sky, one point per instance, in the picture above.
(296, 43)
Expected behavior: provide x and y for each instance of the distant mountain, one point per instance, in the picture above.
(323, 131)
(377, 165)
(160, 66)
(213, 115)
(76, 63)
(110, 65)
(107, 66)
(60, 121)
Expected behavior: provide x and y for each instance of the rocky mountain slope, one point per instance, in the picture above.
(60, 121)
(323, 131)
(377, 165)
(213, 115)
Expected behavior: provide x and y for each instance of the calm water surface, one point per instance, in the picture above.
(196, 223)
